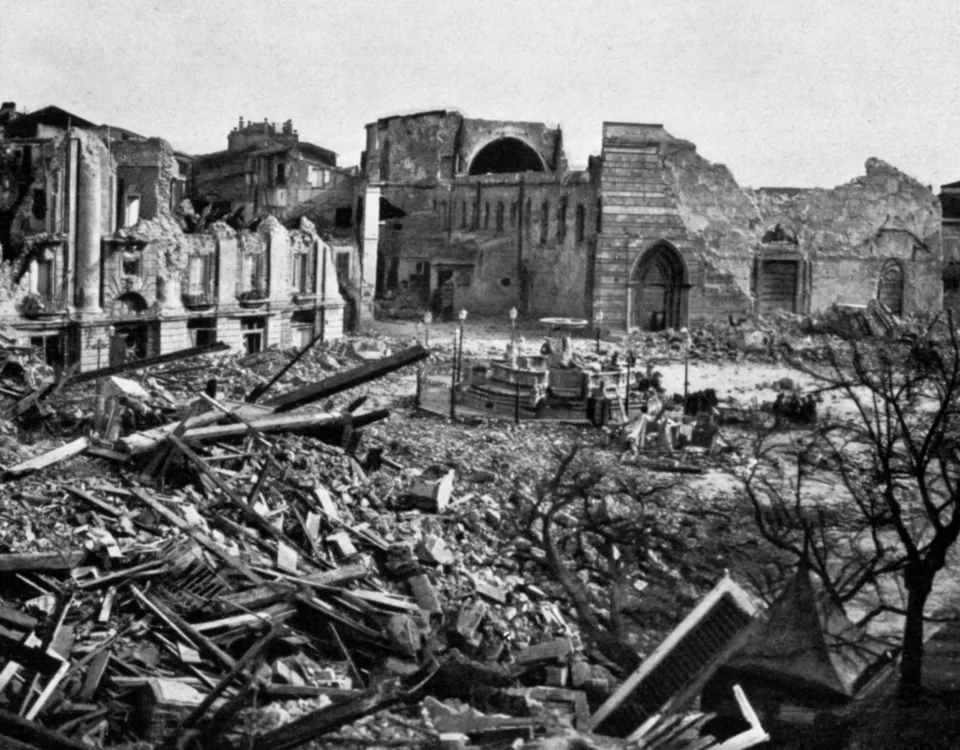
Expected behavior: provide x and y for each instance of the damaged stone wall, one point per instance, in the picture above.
(661, 197)
(144, 167)
(484, 235)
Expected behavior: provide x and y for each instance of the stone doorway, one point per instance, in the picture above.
(656, 290)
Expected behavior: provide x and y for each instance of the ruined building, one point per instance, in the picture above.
(950, 202)
(486, 215)
(269, 170)
(94, 250)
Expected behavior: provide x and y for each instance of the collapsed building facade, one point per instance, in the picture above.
(96, 249)
(487, 215)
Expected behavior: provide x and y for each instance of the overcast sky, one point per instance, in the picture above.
(784, 92)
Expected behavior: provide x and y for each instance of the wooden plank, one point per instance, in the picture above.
(33, 733)
(44, 460)
(202, 538)
(66, 560)
(348, 379)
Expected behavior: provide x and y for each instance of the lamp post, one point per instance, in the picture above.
(686, 365)
(427, 320)
(597, 319)
(463, 317)
(513, 329)
(453, 375)
(631, 361)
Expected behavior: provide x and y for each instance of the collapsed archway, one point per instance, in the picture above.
(506, 155)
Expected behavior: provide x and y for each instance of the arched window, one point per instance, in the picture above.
(581, 222)
(544, 221)
(463, 215)
(562, 219)
(486, 215)
(513, 214)
(499, 216)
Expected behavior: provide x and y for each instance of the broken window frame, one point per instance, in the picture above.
(304, 271)
(131, 263)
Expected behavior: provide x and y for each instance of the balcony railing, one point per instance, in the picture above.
(197, 298)
(255, 296)
(43, 306)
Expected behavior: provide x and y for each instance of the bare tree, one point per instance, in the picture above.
(897, 456)
(589, 524)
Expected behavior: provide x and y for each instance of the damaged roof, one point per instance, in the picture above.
(809, 642)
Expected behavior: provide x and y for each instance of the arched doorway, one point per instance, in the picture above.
(506, 155)
(890, 287)
(656, 289)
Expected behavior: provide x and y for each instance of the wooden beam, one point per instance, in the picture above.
(142, 364)
(343, 381)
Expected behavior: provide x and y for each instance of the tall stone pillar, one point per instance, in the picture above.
(369, 253)
(89, 205)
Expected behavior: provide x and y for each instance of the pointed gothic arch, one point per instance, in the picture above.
(658, 289)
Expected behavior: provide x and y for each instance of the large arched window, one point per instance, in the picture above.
(506, 155)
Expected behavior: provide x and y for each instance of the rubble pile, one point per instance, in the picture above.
(247, 575)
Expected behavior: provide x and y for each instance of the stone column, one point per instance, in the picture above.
(369, 253)
(89, 206)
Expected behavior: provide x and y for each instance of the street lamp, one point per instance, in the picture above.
(462, 316)
(427, 320)
(597, 319)
(631, 361)
(687, 342)
(513, 329)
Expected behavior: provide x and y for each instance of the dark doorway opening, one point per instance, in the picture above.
(506, 155)
(657, 289)
(203, 331)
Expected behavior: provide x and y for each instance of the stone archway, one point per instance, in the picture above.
(657, 287)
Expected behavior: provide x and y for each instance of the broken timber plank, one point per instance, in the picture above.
(278, 423)
(348, 379)
(142, 364)
(317, 723)
(143, 442)
(202, 538)
(36, 734)
(45, 459)
(66, 560)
